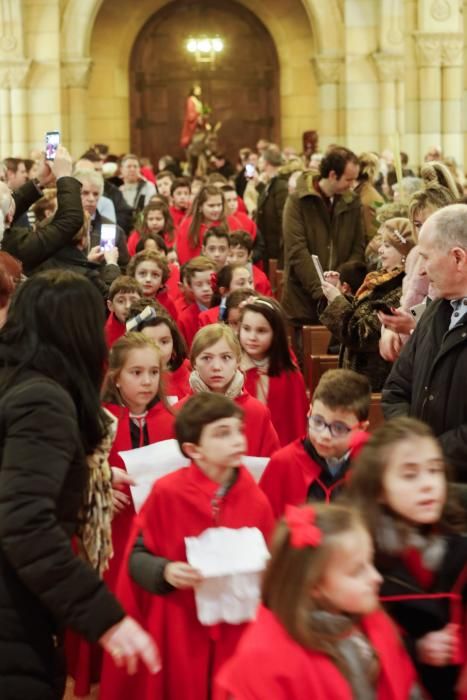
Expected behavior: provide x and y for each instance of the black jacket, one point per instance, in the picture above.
(271, 202)
(120, 240)
(428, 381)
(34, 247)
(43, 585)
(123, 211)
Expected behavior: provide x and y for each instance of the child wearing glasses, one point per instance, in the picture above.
(316, 467)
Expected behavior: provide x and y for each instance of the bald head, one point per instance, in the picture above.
(447, 228)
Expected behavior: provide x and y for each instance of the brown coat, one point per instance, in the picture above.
(309, 229)
(356, 325)
(371, 200)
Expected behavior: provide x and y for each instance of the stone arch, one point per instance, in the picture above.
(95, 29)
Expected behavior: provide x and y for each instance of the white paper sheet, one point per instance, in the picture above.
(148, 464)
(231, 562)
(256, 466)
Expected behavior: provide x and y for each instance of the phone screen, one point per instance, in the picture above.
(250, 170)
(318, 268)
(108, 236)
(52, 142)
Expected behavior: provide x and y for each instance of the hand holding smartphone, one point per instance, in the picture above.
(52, 142)
(383, 307)
(250, 170)
(318, 268)
(108, 236)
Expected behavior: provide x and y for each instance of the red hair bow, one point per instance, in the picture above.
(301, 523)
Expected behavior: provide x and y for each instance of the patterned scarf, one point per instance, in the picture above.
(234, 389)
(262, 369)
(94, 527)
(376, 279)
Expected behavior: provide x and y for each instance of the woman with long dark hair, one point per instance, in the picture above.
(54, 484)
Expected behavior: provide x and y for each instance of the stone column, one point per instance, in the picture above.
(328, 72)
(430, 90)
(452, 92)
(75, 79)
(5, 115)
(19, 73)
(390, 69)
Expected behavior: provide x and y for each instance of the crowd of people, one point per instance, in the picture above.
(140, 305)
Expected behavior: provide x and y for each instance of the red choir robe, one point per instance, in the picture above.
(135, 237)
(269, 664)
(191, 121)
(177, 215)
(261, 282)
(291, 471)
(261, 436)
(209, 316)
(163, 297)
(177, 382)
(114, 329)
(185, 251)
(188, 322)
(286, 400)
(241, 206)
(179, 506)
(246, 224)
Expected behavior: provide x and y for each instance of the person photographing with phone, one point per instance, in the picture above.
(355, 321)
(31, 247)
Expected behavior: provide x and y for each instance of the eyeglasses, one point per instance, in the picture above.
(337, 428)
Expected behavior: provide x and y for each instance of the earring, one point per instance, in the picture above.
(403, 259)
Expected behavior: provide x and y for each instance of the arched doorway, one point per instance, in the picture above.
(242, 88)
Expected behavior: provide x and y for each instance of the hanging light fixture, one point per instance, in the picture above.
(205, 48)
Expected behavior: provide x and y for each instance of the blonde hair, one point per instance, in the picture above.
(210, 335)
(293, 572)
(118, 356)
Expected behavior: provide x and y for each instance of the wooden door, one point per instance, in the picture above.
(241, 89)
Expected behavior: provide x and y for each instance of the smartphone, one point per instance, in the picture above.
(383, 307)
(108, 236)
(52, 142)
(418, 310)
(250, 170)
(318, 268)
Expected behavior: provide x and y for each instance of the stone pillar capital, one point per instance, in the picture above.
(14, 73)
(440, 49)
(452, 51)
(389, 66)
(328, 68)
(76, 72)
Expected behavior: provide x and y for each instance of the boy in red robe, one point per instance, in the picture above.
(316, 468)
(157, 583)
(123, 292)
(199, 278)
(241, 247)
(180, 195)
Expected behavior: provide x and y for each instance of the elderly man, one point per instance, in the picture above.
(429, 380)
(92, 186)
(136, 189)
(34, 247)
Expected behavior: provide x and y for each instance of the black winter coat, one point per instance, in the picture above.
(418, 616)
(271, 202)
(43, 585)
(429, 382)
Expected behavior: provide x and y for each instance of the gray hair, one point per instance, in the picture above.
(5, 204)
(448, 227)
(91, 176)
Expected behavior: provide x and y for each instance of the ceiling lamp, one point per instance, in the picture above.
(205, 48)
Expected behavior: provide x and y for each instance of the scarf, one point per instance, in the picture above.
(394, 537)
(360, 659)
(262, 368)
(234, 389)
(94, 526)
(376, 279)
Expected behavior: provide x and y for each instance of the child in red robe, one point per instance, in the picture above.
(200, 278)
(229, 279)
(316, 468)
(144, 317)
(180, 195)
(216, 246)
(152, 271)
(123, 291)
(156, 220)
(271, 374)
(157, 583)
(241, 247)
(215, 358)
(399, 483)
(320, 633)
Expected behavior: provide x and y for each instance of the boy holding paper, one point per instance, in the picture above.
(157, 585)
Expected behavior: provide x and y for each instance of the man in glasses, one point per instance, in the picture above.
(316, 467)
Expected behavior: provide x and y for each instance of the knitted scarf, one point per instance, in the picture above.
(262, 369)
(94, 526)
(376, 279)
(234, 389)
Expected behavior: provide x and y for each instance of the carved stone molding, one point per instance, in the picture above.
(440, 10)
(14, 74)
(390, 67)
(440, 49)
(328, 69)
(76, 72)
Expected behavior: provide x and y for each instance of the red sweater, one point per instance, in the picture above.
(180, 506)
(269, 664)
(114, 329)
(286, 400)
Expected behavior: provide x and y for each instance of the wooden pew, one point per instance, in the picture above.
(375, 416)
(279, 284)
(315, 342)
(319, 364)
(272, 270)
